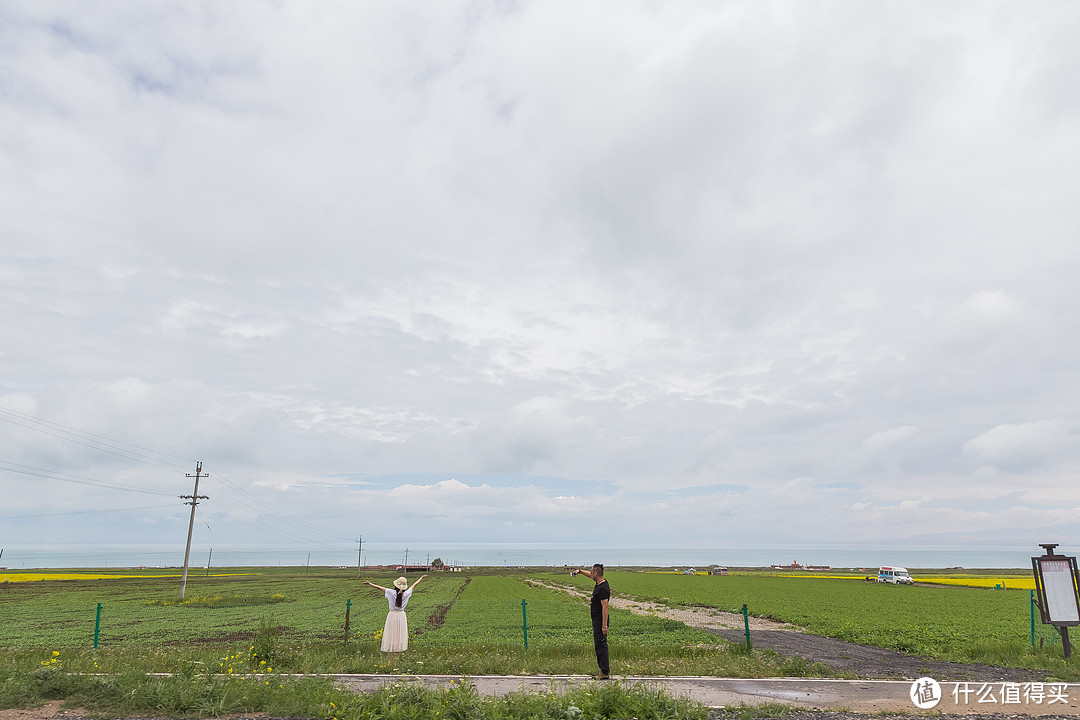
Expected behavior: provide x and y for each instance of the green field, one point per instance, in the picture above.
(959, 624)
(289, 620)
(944, 622)
(293, 621)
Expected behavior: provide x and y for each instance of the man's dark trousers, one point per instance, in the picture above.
(599, 639)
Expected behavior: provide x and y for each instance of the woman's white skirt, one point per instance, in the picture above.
(395, 634)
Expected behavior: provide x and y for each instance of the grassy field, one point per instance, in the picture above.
(289, 620)
(956, 623)
(286, 620)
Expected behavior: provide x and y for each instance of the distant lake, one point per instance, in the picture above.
(510, 555)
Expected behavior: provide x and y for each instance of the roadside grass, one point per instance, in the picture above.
(487, 658)
(198, 695)
(753, 712)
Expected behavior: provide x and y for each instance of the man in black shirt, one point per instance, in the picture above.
(598, 608)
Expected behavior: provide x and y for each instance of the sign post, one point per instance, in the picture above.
(1057, 590)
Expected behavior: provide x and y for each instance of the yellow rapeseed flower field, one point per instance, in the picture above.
(37, 577)
(1011, 583)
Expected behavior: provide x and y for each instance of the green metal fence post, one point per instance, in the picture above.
(348, 609)
(525, 624)
(97, 626)
(746, 623)
(1032, 608)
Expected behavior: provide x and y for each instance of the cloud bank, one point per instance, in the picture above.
(693, 274)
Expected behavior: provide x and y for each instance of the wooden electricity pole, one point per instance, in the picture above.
(194, 497)
(359, 555)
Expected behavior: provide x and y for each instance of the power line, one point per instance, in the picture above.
(257, 524)
(287, 526)
(8, 466)
(85, 512)
(300, 531)
(91, 440)
(242, 496)
(161, 556)
(206, 523)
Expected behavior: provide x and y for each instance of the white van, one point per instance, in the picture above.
(894, 576)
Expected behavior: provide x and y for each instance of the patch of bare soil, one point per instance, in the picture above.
(439, 616)
(48, 710)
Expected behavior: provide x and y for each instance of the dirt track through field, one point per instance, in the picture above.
(701, 618)
(845, 657)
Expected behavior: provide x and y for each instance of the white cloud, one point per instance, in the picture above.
(887, 439)
(1023, 446)
(701, 261)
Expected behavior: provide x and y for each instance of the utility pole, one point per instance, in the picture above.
(359, 556)
(194, 497)
(406, 567)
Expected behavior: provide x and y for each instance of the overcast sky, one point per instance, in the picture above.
(711, 273)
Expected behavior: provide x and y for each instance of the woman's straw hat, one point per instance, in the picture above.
(401, 583)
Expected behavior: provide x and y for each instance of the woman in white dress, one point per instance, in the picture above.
(395, 635)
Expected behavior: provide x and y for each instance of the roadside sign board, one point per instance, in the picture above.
(1057, 588)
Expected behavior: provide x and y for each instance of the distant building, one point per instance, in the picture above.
(796, 566)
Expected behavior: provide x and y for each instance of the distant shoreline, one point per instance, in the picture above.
(170, 571)
(493, 555)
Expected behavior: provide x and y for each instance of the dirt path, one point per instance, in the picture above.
(861, 660)
(695, 617)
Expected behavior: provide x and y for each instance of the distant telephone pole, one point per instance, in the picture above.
(359, 556)
(194, 497)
